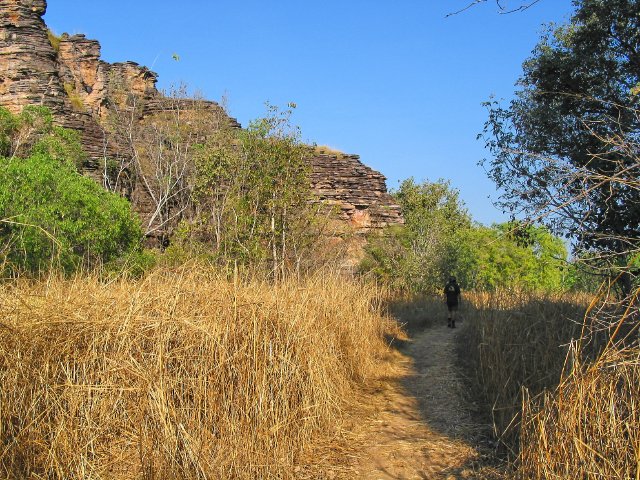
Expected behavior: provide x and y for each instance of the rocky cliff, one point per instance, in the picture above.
(67, 75)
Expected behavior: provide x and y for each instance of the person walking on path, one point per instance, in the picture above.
(452, 293)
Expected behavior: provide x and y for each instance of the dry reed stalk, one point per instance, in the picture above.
(578, 414)
(415, 311)
(180, 375)
(516, 340)
(590, 426)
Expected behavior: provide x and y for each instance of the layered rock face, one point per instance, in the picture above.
(67, 75)
(33, 73)
(28, 68)
(358, 192)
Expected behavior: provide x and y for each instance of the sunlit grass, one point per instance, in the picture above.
(184, 374)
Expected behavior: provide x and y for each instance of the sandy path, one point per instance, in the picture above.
(423, 427)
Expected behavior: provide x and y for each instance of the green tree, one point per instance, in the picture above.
(253, 192)
(418, 256)
(50, 215)
(566, 148)
(510, 255)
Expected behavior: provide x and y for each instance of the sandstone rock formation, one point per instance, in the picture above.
(358, 192)
(67, 75)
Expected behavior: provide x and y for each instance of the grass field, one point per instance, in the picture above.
(184, 374)
(189, 374)
(564, 404)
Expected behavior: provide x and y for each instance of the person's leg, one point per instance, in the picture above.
(454, 310)
(449, 314)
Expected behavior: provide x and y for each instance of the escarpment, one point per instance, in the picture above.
(67, 75)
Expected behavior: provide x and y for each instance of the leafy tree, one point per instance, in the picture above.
(50, 215)
(417, 257)
(241, 194)
(510, 255)
(252, 192)
(439, 239)
(566, 148)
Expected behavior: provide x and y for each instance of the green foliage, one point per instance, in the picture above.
(62, 145)
(133, 264)
(8, 124)
(54, 40)
(439, 239)
(52, 215)
(566, 148)
(417, 257)
(33, 131)
(74, 97)
(252, 191)
(510, 256)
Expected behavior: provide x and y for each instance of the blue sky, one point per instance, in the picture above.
(396, 82)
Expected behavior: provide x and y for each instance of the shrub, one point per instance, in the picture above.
(32, 131)
(54, 40)
(74, 97)
(52, 215)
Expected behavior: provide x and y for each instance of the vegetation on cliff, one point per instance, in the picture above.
(51, 216)
(253, 194)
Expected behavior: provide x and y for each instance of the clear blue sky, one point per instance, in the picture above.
(395, 82)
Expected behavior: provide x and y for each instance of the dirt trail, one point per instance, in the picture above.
(424, 427)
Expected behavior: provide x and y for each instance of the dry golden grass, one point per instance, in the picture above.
(516, 340)
(519, 340)
(327, 150)
(415, 312)
(181, 375)
(564, 409)
(590, 426)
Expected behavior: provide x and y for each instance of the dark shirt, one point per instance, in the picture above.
(452, 291)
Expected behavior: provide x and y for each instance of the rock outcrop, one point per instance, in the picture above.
(67, 75)
(29, 66)
(358, 192)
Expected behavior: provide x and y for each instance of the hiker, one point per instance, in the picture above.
(452, 292)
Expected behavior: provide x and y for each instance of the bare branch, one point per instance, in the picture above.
(502, 9)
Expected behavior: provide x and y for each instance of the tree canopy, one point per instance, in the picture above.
(566, 148)
(511, 255)
(439, 239)
(416, 257)
(51, 215)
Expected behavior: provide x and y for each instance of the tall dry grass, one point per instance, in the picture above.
(415, 312)
(589, 427)
(183, 374)
(517, 340)
(565, 398)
